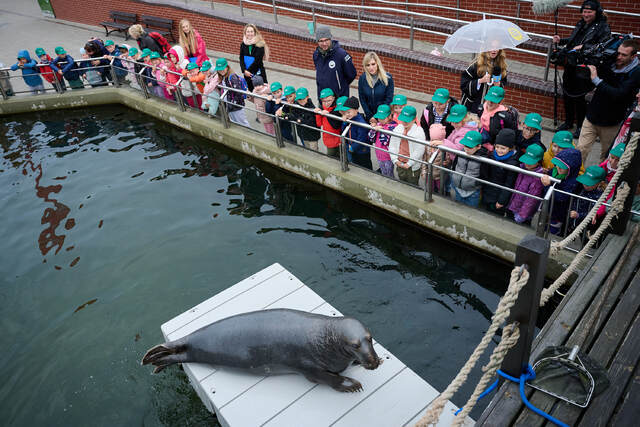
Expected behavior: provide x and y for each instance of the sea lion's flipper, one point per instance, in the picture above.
(335, 381)
(164, 355)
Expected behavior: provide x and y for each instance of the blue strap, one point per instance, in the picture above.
(528, 375)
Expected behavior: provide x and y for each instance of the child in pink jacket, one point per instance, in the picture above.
(260, 88)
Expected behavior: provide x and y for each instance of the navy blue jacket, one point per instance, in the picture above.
(573, 159)
(334, 69)
(582, 206)
(522, 144)
(30, 72)
(372, 97)
(68, 66)
(357, 133)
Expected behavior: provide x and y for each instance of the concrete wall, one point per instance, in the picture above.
(474, 228)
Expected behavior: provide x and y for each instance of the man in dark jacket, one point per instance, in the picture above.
(615, 93)
(334, 67)
(589, 31)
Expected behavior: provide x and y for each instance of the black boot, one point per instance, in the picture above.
(576, 134)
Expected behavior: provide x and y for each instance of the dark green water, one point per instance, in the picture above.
(113, 223)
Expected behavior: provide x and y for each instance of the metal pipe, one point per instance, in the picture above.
(547, 62)
(179, 96)
(116, 81)
(313, 15)
(344, 161)
(143, 84)
(193, 95)
(278, 129)
(411, 34)
(241, 8)
(443, 157)
(275, 13)
(429, 183)
(359, 27)
(224, 115)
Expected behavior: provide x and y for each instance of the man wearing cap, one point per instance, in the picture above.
(522, 207)
(589, 31)
(334, 67)
(615, 93)
(65, 66)
(437, 110)
(406, 154)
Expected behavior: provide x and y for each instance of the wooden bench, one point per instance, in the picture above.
(160, 25)
(121, 21)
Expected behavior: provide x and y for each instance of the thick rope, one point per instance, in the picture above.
(519, 278)
(510, 336)
(616, 208)
(625, 161)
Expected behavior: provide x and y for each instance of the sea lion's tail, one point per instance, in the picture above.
(164, 355)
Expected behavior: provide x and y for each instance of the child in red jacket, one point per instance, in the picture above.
(46, 72)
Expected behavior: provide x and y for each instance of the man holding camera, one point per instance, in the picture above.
(616, 87)
(589, 31)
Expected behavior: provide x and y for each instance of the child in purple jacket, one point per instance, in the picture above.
(523, 207)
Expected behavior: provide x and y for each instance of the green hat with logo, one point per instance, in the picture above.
(206, 66)
(563, 139)
(60, 50)
(399, 100)
(471, 139)
(190, 65)
(495, 94)
(617, 150)
(108, 43)
(340, 101)
(441, 95)
(592, 175)
(559, 163)
(301, 93)
(275, 86)
(383, 112)
(145, 52)
(326, 92)
(533, 120)
(533, 155)
(40, 51)
(457, 113)
(288, 90)
(133, 51)
(155, 55)
(221, 64)
(408, 114)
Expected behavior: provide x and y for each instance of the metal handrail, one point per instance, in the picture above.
(572, 6)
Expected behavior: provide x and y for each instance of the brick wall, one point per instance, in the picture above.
(222, 32)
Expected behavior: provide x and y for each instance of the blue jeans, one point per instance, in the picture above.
(473, 200)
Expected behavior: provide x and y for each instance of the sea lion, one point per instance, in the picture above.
(276, 341)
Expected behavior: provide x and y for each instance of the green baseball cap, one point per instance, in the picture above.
(40, 51)
(592, 175)
(399, 100)
(190, 65)
(288, 90)
(533, 120)
(60, 50)
(340, 101)
(383, 112)
(495, 94)
(326, 92)
(301, 93)
(108, 43)
(559, 163)
(471, 139)
(441, 95)
(221, 64)
(275, 86)
(533, 155)
(408, 114)
(563, 139)
(133, 51)
(206, 66)
(617, 150)
(457, 113)
(156, 55)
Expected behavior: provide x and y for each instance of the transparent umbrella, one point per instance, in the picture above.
(485, 35)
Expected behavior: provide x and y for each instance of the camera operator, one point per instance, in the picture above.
(589, 31)
(616, 87)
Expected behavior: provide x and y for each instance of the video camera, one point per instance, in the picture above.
(601, 54)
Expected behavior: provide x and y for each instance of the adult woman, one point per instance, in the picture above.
(375, 86)
(253, 52)
(145, 41)
(193, 45)
(489, 69)
(94, 48)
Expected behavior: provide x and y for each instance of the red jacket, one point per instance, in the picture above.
(324, 122)
(47, 73)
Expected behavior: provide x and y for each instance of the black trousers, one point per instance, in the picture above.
(575, 109)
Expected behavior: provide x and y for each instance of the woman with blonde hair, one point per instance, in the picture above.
(253, 52)
(145, 41)
(193, 45)
(489, 69)
(375, 86)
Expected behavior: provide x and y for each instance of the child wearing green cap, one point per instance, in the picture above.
(397, 104)
(562, 140)
(263, 90)
(592, 183)
(325, 120)
(308, 134)
(65, 65)
(383, 121)
(47, 72)
(284, 108)
(437, 110)
(358, 150)
(522, 207)
(610, 165)
(210, 95)
(234, 100)
(530, 133)
(405, 154)
(494, 116)
(466, 188)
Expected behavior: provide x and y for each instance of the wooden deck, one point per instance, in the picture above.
(600, 313)
(393, 394)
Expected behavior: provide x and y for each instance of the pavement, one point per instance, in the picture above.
(23, 21)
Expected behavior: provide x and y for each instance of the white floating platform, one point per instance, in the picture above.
(393, 394)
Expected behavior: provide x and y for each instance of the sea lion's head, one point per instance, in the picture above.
(358, 343)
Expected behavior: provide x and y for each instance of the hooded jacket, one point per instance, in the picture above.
(372, 97)
(334, 69)
(522, 205)
(47, 73)
(30, 72)
(178, 52)
(573, 160)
